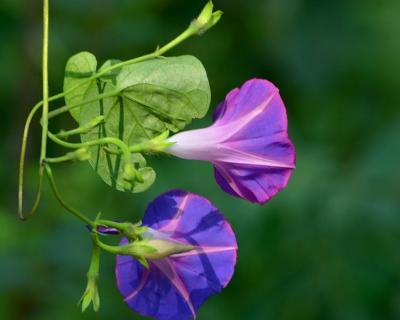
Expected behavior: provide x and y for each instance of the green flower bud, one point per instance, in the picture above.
(206, 14)
(81, 154)
(155, 248)
(134, 231)
(207, 18)
(154, 245)
(91, 295)
(130, 174)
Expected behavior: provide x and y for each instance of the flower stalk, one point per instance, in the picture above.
(45, 75)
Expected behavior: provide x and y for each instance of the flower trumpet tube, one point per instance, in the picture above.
(191, 253)
(248, 143)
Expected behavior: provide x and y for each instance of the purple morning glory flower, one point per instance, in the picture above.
(174, 287)
(248, 143)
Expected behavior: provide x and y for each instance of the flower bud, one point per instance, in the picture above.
(206, 19)
(81, 154)
(206, 14)
(156, 248)
(154, 245)
(134, 231)
(91, 295)
(130, 174)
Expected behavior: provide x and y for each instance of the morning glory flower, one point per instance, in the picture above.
(248, 143)
(174, 286)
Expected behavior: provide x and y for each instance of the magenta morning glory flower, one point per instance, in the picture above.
(174, 287)
(248, 143)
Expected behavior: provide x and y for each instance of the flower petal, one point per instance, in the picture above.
(257, 139)
(155, 292)
(175, 287)
(253, 95)
(221, 108)
(254, 184)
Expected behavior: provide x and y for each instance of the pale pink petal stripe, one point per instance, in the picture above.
(173, 224)
(241, 123)
(238, 156)
(140, 286)
(201, 250)
(169, 271)
(230, 180)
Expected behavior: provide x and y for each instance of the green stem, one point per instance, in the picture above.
(117, 225)
(140, 147)
(106, 247)
(45, 72)
(45, 104)
(189, 32)
(61, 159)
(61, 110)
(81, 129)
(106, 140)
(60, 199)
(24, 143)
(94, 267)
(36, 202)
(22, 170)
(69, 145)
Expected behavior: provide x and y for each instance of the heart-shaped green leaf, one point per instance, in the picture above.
(153, 96)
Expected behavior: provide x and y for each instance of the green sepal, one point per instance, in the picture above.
(158, 144)
(81, 154)
(207, 19)
(143, 262)
(91, 295)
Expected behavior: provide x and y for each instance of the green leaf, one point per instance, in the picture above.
(154, 96)
(112, 75)
(185, 75)
(79, 67)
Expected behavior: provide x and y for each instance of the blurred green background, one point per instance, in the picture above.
(327, 247)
